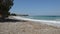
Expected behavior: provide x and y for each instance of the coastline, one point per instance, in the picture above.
(47, 22)
(28, 27)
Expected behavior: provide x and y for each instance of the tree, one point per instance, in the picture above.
(5, 6)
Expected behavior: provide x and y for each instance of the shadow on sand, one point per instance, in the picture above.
(11, 20)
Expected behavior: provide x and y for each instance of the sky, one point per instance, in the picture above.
(36, 7)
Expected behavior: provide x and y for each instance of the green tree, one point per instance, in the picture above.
(5, 6)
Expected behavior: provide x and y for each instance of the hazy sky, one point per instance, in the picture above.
(36, 7)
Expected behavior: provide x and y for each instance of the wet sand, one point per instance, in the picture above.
(27, 28)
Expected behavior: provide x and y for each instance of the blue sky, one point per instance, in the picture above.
(36, 7)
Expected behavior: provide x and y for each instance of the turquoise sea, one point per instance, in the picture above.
(45, 17)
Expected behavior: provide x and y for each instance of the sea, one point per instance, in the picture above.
(44, 17)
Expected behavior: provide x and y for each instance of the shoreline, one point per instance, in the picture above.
(48, 22)
(28, 27)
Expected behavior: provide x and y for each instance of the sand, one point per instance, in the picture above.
(27, 28)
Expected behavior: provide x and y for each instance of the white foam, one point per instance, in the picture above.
(48, 22)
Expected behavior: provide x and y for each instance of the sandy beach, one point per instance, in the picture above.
(27, 27)
(29, 16)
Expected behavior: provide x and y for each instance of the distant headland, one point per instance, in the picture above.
(14, 14)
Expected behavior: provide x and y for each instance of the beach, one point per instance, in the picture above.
(27, 27)
(29, 16)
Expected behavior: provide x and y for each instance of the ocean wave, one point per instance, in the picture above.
(48, 22)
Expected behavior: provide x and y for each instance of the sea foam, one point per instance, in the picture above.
(48, 22)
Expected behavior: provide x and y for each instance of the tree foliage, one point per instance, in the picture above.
(5, 6)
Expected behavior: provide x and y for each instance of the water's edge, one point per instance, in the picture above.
(48, 22)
